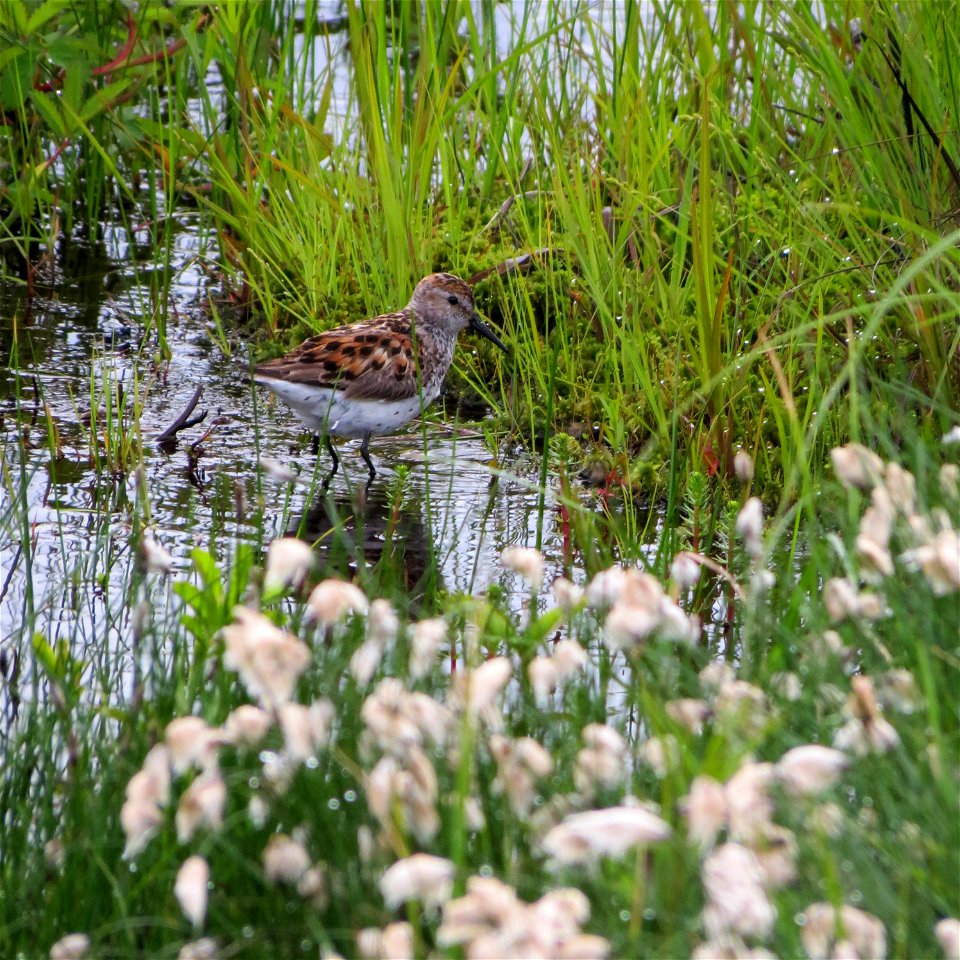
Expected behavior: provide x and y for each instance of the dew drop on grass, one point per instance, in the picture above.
(856, 896)
(247, 933)
(350, 796)
(254, 783)
(133, 868)
(312, 763)
(625, 916)
(333, 803)
(799, 919)
(649, 914)
(486, 870)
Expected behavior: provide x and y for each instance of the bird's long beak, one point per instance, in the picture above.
(477, 324)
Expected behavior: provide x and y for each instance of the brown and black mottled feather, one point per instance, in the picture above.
(373, 359)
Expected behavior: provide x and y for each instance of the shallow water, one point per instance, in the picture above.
(444, 505)
(450, 516)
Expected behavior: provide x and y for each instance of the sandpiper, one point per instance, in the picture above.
(374, 376)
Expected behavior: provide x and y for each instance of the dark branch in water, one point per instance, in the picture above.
(184, 421)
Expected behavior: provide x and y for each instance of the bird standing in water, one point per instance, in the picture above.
(374, 376)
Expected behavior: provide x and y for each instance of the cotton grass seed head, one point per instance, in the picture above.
(285, 860)
(492, 923)
(736, 900)
(684, 572)
(151, 784)
(331, 600)
(811, 769)
(73, 946)
(526, 562)
(520, 763)
(585, 837)
(139, 822)
(192, 743)
(948, 934)
(268, 660)
(743, 466)
(289, 560)
(567, 594)
(705, 810)
(426, 638)
(605, 588)
(820, 933)
(306, 729)
(422, 877)
(856, 466)
(749, 804)
(247, 725)
(603, 760)
(201, 805)
(939, 561)
(393, 942)
(750, 526)
(155, 558)
(481, 686)
(190, 889)
(203, 949)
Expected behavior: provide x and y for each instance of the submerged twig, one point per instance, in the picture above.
(184, 421)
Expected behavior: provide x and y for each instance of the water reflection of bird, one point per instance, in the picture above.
(374, 376)
(373, 528)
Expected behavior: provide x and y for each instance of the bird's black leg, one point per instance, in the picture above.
(365, 453)
(315, 445)
(333, 454)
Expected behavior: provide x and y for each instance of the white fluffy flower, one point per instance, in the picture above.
(191, 742)
(736, 900)
(285, 860)
(268, 660)
(705, 809)
(203, 949)
(190, 889)
(856, 466)
(73, 946)
(420, 877)
(743, 466)
(426, 638)
(288, 562)
(525, 561)
(331, 600)
(948, 933)
(811, 769)
(864, 933)
(750, 526)
(202, 804)
(247, 725)
(483, 684)
(156, 559)
(611, 832)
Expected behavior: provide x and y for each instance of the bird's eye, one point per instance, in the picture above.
(452, 300)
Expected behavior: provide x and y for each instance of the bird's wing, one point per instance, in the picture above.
(369, 360)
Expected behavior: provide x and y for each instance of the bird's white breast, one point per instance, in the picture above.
(325, 410)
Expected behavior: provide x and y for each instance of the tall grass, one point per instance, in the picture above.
(716, 205)
(739, 230)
